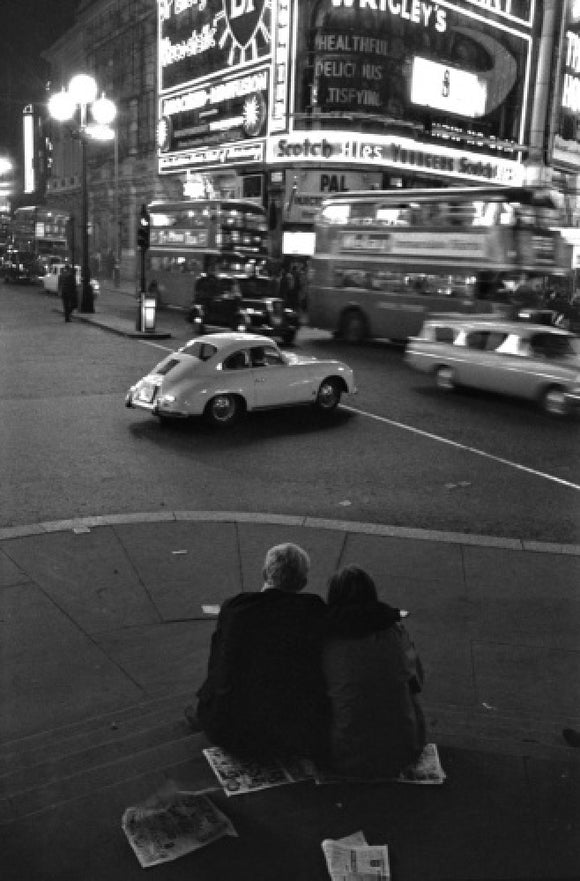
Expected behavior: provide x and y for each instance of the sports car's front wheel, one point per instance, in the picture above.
(328, 397)
(223, 411)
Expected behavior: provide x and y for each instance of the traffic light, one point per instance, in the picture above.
(144, 229)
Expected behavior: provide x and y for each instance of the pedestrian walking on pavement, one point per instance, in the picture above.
(264, 694)
(69, 291)
(373, 676)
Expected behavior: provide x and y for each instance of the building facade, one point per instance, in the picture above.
(114, 41)
(283, 101)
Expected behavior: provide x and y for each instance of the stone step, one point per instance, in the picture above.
(90, 732)
(62, 790)
(52, 767)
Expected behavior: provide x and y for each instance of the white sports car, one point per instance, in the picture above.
(223, 375)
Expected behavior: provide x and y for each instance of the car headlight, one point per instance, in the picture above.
(166, 399)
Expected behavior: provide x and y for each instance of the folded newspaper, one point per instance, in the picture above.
(238, 776)
(353, 859)
(171, 824)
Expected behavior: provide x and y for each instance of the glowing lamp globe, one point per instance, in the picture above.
(103, 111)
(82, 89)
(61, 106)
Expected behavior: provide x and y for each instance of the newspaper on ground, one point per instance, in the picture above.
(353, 859)
(239, 776)
(426, 770)
(171, 824)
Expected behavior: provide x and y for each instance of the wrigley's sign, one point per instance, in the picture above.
(346, 148)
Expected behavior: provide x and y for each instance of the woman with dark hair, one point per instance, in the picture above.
(373, 677)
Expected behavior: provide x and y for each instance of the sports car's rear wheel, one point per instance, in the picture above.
(445, 378)
(328, 397)
(554, 401)
(223, 410)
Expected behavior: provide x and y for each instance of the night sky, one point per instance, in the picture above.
(28, 27)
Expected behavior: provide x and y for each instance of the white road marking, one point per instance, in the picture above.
(157, 346)
(452, 443)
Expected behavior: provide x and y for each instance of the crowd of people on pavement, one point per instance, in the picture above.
(291, 675)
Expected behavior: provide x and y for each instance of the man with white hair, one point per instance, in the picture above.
(264, 694)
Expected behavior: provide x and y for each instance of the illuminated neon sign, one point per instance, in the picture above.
(344, 148)
(200, 38)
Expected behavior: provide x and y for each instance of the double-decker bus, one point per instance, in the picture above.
(190, 239)
(39, 237)
(385, 259)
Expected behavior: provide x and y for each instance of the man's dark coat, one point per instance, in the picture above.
(264, 693)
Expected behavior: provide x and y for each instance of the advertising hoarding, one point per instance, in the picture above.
(214, 81)
(203, 38)
(360, 56)
(566, 148)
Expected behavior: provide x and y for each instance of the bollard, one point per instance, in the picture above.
(147, 314)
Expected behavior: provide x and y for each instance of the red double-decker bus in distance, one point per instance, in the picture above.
(39, 236)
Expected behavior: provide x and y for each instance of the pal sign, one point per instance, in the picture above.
(306, 189)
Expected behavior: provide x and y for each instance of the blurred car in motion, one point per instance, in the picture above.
(52, 280)
(518, 358)
(223, 375)
(244, 303)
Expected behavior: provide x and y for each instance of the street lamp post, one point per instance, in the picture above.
(81, 98)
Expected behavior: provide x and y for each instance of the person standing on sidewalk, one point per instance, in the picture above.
(69, 291)
(264, 694)
(373, 676)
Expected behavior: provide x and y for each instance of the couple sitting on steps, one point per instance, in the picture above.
(291, 675)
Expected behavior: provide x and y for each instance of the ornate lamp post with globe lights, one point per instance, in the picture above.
(93, 117)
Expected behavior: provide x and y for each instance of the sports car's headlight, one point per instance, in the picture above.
(166, 399)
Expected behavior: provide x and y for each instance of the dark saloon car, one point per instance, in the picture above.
(242, 303)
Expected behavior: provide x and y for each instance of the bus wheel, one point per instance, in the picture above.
(445, 378)
(223, 411)
(328, 397)
(555, 402)
(353, 327)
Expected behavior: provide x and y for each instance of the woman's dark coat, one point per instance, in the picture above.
(373, 676)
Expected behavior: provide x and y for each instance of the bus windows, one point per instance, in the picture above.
(335, 214)
(383, 280)
(352, 278)
(441, 285)
(395, 215)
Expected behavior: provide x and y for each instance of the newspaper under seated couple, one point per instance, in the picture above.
(238, 777)
(173, 823)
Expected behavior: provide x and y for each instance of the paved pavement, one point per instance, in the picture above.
(106, 629)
